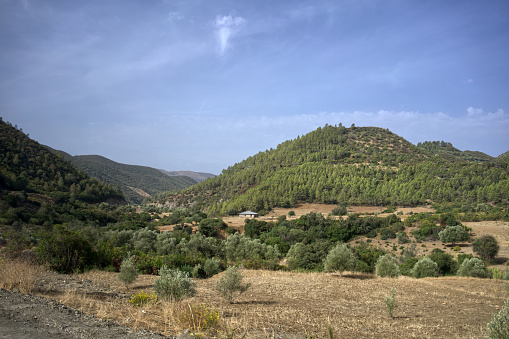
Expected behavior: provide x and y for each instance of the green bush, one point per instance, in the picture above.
(486, 247)
(453, 234)
(425, 267)
(231, 283)
(173, 285)
(473, 267)
(308, 256)
(462, 257)
(239, 248)
(498, 328)
(65, 251)
(445, 261)
(144, 240)
(390, 302)
(128, 272)
(387, 234)
(340, 258)
(403, 238)
(386, 266)
(407, 266)
(340, 210)
(212, 266)
(165, 243)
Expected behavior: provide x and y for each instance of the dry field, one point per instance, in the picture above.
(300, 305)
(300, 210)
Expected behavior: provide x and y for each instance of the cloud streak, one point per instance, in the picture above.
(226, 27)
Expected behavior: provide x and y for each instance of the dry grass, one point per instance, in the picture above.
(19, 275)
(309, 303)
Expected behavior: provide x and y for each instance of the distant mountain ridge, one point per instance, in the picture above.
(198, 176)
(136, 182)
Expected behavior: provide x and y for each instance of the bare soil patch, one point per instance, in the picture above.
(278, 305)
(499, 230)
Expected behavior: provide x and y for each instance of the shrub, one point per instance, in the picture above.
(308, 256)
(19, 274)
(196, 271)
(486, 247)
(197, 317)
(239, 248)
(387, 234)
(340, 258)
(231, 283)
(462, 257)
(165, 243)
(212, 266)
(142, 298)
(425, 267)
(453, 234)
(173, 285)
(473, 267)
(340, 210)
(407, 265)
(128, 272)
(403, 238)
(445, 261)
(498, 328)
(386, 266)
(390, 302)
(65, 251)
(291, 213)
(144, 240)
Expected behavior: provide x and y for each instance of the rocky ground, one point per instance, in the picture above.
(29, 316)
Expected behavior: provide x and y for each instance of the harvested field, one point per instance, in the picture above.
(298, 305)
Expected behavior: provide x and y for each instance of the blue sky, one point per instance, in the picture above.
(201, 85)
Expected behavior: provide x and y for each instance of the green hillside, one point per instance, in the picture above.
(26, 165)
(447, 151)
(338, 165)
(136, 182)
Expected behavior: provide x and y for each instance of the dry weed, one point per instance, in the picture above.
(20, 275)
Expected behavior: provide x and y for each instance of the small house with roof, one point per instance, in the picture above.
(248, 214)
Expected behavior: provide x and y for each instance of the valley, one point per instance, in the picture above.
(335, 206)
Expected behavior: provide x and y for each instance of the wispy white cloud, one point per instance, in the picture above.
(226, 27)
(175, 16)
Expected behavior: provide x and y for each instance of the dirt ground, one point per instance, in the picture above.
(277, 305)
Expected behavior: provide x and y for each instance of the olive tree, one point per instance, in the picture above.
(453, 234)
(486, 247)
(340, 258)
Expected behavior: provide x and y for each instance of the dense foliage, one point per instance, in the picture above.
(353, 165)
(29, 167)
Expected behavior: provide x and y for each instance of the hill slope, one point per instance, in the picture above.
(338, 165)
(447, 151)
(136, 182)
(198, 176)
(26, 165)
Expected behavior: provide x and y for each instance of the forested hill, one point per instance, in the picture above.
(198, 176)
(29, 167)
(136, 182)
(338, 165)
(448, 151)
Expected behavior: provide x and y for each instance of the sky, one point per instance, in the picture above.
(201, 85)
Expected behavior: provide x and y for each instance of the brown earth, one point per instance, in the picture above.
(277, 305)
